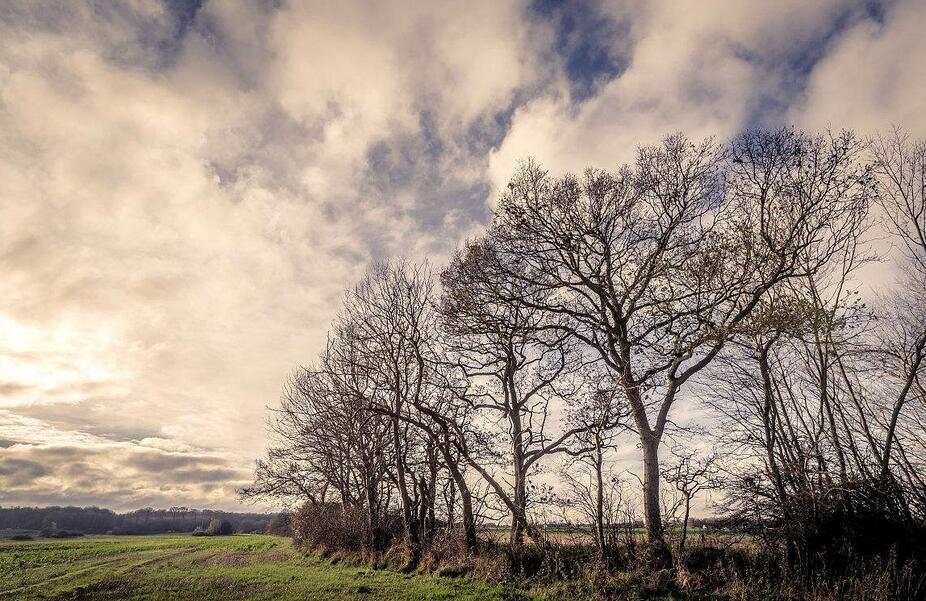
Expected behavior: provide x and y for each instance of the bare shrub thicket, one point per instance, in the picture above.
(731, 275)
(819, 394)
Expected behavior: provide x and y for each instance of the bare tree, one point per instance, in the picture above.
(379, 320)
(657, 265)
(391, 322)
(690, 474)
(813, 398)
(514, 365)
(901, 165)
(795, 408)
(600, 420)
(328, 445)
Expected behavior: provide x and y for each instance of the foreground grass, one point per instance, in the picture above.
(200, 568)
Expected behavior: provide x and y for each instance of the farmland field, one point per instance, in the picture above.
(183, 567)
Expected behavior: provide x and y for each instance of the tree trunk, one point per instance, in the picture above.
(466, 499)
(450, 499)
(519, 511)
(658, 551)
(469, 520)
(372, 517)
(519, 515)
(681, 543)
(599, 497)
(518, 526)
(658, 554)
(898, 406)
(770, 430)
(432, 491)
(651, 509)
(408, 515)
(423, 502)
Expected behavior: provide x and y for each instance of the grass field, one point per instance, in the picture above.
(187, 568)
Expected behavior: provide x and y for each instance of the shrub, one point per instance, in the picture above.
(334, 527)
(219, 527)
(446, 555)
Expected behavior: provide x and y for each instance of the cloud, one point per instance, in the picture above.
(19, 472)
(118, 475)
(871, 79)
(186, 194)
(704, 68)
(187, 187)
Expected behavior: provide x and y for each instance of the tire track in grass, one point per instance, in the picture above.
(103, 564)
(121, 572)
(201, 556)
(78, 572)
(61, 558)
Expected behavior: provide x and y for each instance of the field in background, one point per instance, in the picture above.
(582, 537)
(187, 568)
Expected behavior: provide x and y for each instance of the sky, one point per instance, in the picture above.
(186, 187)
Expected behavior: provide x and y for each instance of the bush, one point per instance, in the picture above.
(333, 527)
(22, 537)
(219, 527)
(447, 555)
(824, 535)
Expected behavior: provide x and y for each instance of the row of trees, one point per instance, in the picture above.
(94, 520)
(725, 273)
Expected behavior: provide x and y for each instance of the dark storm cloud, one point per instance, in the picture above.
(163, 462)
(97, 416)
(208, 475)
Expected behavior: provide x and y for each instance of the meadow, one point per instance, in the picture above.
(189, 568)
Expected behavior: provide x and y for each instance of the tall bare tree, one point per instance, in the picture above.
(514, 364)
(380, 320)
(600, 419)
(329, 446)
(655, 266)
(389, 318)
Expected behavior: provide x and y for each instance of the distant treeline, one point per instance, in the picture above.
(94, 520)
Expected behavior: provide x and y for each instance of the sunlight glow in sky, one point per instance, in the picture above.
(186, 187)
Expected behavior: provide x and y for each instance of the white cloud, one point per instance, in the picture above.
(180, 214)
(182, 200)
(703, 68)
(872, 79)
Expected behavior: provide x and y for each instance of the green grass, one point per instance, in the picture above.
(190, 568)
